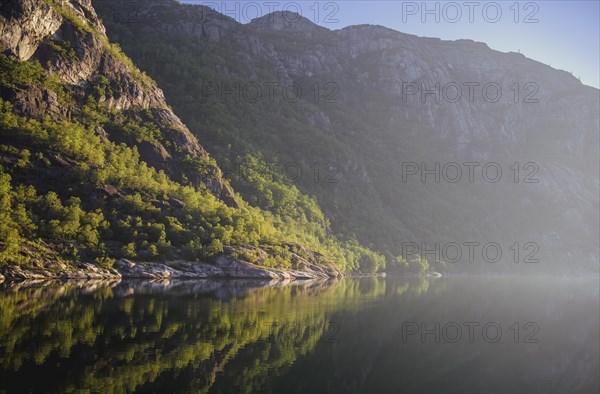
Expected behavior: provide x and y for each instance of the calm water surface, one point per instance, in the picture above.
(465, 334)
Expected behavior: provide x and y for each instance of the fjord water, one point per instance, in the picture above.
(352, 335)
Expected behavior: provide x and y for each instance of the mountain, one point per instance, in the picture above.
(484, 160)
(97, 167)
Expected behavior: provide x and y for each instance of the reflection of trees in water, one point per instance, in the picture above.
(131, 335)
(416, 286)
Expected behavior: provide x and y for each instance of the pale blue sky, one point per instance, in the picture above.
(564, 34)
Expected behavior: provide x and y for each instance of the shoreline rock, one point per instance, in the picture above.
(225, 267)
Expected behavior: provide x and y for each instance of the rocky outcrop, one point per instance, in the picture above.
(175, 270)
(36, 102)
(69, 41)
(224, 267)
(88, 271)
(287, 21)
(24, 24)
(234, 262)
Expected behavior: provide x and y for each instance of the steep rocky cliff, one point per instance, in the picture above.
(388, 101)
(69, 41)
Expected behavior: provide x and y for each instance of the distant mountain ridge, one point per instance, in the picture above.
(381, 119)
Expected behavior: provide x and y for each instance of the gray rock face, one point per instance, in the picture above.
(225, 266)
(29, 30)
(240, 269)
(285, 20)
(36, 102)
(24, 24)
(89, 271)
(176, 270)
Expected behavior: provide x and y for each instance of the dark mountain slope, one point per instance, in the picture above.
(372, 121)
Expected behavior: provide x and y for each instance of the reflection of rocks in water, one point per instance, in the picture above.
(225, 267)
(220, 288)
(217, 289)
(57, 286)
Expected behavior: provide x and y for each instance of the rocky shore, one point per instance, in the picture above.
(224, 266)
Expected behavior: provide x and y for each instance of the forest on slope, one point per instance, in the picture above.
(95, 165)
